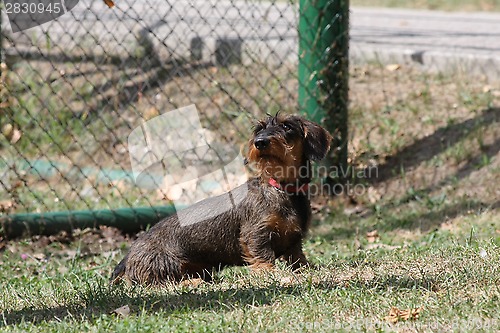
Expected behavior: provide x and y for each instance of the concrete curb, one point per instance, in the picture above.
(226, 32)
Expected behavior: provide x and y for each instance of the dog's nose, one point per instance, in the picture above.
(261, 143)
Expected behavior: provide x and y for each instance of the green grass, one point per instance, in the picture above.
(444, 272)
(447, 5)
(432, 138)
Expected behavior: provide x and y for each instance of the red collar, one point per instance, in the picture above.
(289, 188)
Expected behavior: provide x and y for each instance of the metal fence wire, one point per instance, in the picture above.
(75, 88)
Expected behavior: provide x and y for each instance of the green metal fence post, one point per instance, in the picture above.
(323, 72)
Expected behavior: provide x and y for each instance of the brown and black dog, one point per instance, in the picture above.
(269, 222)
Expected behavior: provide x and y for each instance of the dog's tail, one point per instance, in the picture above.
(119, 272)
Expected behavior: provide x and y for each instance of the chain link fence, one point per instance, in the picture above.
(75, 88)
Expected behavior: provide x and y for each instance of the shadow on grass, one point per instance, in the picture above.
(390, 282)
(423, 150)
(426, 221)
(104, 300)
(434, 144)
(431, 220)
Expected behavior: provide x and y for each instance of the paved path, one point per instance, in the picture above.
(267, 32)
(434, 40)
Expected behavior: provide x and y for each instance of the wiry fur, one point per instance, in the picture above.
(267, 224)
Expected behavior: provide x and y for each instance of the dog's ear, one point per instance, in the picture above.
(316, 140)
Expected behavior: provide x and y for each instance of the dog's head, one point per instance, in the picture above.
(282, 145)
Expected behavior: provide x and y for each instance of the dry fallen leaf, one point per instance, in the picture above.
(11, 133)
(16, 136)
(7, 130)
(393, 67)
(110, 3)
(291, 280)
(174, 193)
(372, 236)
(151, 113)
(192, 282)
(396, 314)
(39, 256)
(373, 195)
(487, 89)
(358, 209)
(6, 206)
(123, 311)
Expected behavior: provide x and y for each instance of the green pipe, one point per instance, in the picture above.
(323, 71)
(128, 220)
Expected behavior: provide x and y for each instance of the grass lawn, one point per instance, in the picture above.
(423, 236)
(452, 276)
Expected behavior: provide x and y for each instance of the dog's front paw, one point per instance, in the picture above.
(259, 267)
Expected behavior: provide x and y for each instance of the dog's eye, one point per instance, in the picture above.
(258, 128)
(286, 127)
